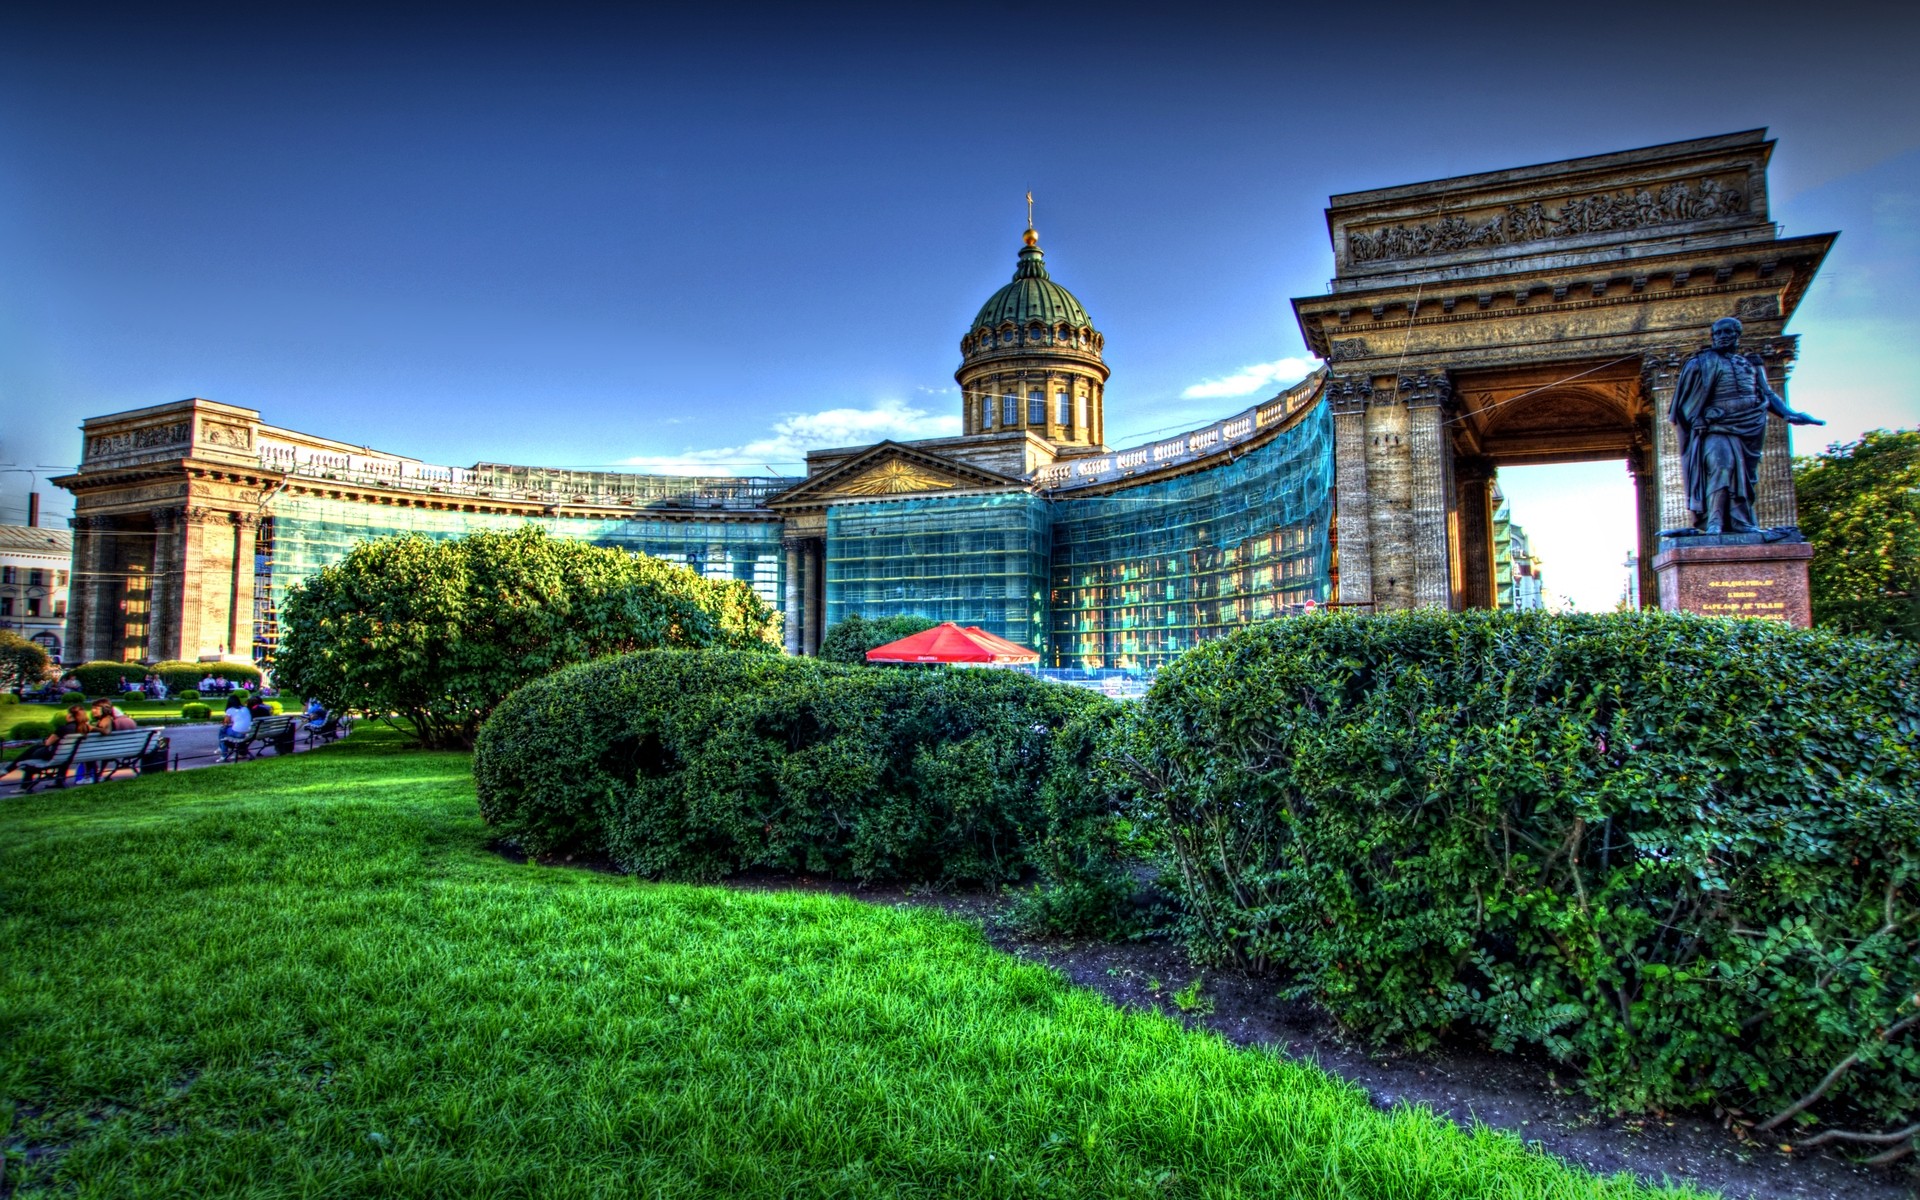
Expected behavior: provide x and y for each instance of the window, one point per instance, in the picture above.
(6, 575)
(1009, 410)
(1064, 406)
(986, 411)
(6, 604)
(1036, 408)
(33, 606)
(36, 578)
(60, 606)
(59, 579)
(1082, 422)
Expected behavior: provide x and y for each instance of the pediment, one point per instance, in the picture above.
(891, 469)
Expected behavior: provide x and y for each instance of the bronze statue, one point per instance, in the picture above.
(1720, 410)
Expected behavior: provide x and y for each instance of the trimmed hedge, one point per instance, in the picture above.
(696, 764)
(182, 676)
(195, 711)
(1681, 853)
(29, 731)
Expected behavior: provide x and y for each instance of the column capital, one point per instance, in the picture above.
(1427, 389)
(1349, 393)
(1660, 367)
(1473, 468)
(247, 520)
(194, 514)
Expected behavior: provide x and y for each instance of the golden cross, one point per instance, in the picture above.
(1029, 210)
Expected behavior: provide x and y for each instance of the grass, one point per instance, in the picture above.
(309, 977)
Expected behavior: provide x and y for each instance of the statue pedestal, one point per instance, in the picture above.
(1749, 578)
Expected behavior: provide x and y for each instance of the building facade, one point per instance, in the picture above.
(36, 565)
(1526, 316)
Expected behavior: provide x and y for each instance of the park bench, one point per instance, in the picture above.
(277, 732)
(331, 727)
(135, 749)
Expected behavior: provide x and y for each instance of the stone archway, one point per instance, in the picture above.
(1533, 316)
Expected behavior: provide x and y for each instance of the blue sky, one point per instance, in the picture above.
(588, 236)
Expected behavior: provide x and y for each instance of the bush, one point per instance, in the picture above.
(1681, 853)
(7, 698)
(195, 711)
(101, 677)
(182, 677)
(133, 694)
(849, 641)
(29, 731)
(184, 694)
(23, 661)
(440, 632)
(69, 699)
(694, 765)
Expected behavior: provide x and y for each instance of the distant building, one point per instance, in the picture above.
(35, 566)
(1630, 591)
(1517, 584)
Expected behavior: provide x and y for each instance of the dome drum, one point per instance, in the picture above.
(1032, 360)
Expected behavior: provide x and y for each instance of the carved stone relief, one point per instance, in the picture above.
(1677, 202)
(236, 437)
(151, 437)
(893, 476)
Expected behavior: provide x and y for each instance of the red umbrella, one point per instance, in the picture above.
(949, 643)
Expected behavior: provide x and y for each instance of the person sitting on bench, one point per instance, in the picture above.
(236, 730)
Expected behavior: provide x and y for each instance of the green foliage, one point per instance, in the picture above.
(102, 678)
(194, 711)
(693, 765)
(308, 977)
(849, 641)
(68, 699)
(23, 661)
(183, 677)
(29, 731)
(439, 632)
(7, 698)
(133, 694)
(1681, 853)
(1860, 507)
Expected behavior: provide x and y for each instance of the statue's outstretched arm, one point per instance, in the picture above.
(1778, 406)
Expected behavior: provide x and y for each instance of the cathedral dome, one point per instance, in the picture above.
(1033, 297)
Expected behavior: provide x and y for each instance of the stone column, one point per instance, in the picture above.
(163, 609)
(246, 527)
(810, 596)
(1646, 520)
(1348, 397)
(1428, 450)
(790, 626)
(1473, 485)
(102, 586)
(202, 580)
(1773, 502)
(78, 642)
(1659, 375)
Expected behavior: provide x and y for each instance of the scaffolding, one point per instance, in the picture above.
(304, 534)
(1143, 573)
(976, 560)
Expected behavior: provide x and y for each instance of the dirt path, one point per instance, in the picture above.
(1462, 1082)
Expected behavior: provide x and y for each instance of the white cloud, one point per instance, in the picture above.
(785, 449)
(1279, 373)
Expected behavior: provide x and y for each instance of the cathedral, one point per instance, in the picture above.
(1524, 316)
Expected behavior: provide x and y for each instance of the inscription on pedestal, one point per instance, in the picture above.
(1764, 581)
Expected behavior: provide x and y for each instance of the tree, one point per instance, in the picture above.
(437, 633)
(23, 662)
(849, 641)
(1860, 507)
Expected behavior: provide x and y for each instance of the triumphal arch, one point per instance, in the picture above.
(1538, 315)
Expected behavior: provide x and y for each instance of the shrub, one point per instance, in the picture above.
(69, 699)
(694, 765)
(23, 661)
(1681, 853)
(849, 641)
(182, 677)
(184, 694)
(7, 698)
(440, 632)
(195, 711)
(29, 731)
(133, 694)
(102, 678)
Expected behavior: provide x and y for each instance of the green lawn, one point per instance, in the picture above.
(309, 977)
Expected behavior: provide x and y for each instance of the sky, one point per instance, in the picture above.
(594, 235)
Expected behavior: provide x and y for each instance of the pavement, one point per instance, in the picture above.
(190, 748)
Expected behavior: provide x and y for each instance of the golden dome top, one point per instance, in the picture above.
(1031, 236)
